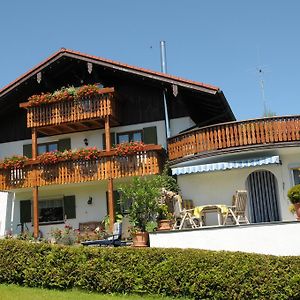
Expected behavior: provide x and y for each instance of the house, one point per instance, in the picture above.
(46, 191)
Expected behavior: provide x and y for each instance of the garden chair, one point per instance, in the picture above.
(183, 215)
(113, 240)
(237, 212)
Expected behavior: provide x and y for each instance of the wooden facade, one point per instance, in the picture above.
(235, 135)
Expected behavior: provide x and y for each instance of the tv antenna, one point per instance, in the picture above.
(260, 72)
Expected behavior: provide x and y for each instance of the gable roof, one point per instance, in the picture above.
(111, 64)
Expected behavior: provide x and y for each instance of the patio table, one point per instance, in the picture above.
(220, 209)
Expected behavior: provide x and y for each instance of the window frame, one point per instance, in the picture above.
(130, 135)
(47, 144)
(51, 199)
(292, 169)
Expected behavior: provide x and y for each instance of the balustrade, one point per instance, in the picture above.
(257, 132)
(78, 110)
(147, 162)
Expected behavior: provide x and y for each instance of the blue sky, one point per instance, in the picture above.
(217, 42)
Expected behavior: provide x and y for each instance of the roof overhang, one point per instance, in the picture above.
(113, 65)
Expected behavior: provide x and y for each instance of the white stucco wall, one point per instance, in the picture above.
(219, 187)
(84, 212)
(3, 210)
(95, 136)
(275, 239)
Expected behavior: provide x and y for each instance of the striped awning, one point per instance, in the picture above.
(220, 166)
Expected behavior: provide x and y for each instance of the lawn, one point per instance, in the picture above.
(8, 292)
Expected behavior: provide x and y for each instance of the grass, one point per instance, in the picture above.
(8, 292)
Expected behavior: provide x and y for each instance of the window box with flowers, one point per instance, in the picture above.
(125, 149)
(13, 162)
(67, 94)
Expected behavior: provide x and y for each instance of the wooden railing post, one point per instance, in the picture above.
(110, 185)
(35, 191)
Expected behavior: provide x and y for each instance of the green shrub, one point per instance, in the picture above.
(294, 194)
(174, 272)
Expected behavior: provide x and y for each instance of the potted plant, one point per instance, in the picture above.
(165, 218)
(294, 196)
(141, 196)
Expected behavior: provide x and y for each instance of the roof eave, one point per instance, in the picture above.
(110, 64)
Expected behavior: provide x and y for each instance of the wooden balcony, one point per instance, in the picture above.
(69, 116)
(234, 136)
(147, 162)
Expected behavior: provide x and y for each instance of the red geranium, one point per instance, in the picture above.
(124, 149)
(14, 162)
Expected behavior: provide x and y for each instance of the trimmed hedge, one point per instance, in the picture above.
(191, 273)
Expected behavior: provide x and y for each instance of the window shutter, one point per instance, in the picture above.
(25, 211)
(70, 207)
(150, 135)
(117, 206)
(112, 140)
(64, 144)
(27, 150)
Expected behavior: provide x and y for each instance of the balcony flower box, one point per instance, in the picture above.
(66, 94)
(125, 149)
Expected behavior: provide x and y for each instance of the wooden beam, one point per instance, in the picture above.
(35, 193)
(34, 143)
(107, 134)
(110, 187)
(111, 209)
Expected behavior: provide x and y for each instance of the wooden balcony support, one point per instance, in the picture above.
(35, 190)
(110, 184)
(235, 135)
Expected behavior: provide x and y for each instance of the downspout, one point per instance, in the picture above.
(164, 70)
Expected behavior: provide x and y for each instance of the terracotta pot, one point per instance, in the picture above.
(140, 239)
(164, 225)
(297, 210)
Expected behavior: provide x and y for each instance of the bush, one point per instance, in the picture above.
(294, 194)
(174, 272)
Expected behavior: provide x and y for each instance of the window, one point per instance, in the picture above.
(60, 145)
(132, 136)
(51, 210)
(47, 147)
(296, 176)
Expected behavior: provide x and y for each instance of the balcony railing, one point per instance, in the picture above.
(226, 136)
(33, 173)
(79, 110)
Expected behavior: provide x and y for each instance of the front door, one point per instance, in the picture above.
(263, 197)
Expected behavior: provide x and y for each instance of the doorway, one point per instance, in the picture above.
(263, 197)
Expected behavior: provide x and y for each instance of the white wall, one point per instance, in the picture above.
(84, 212)
(95, 136)
(219, 187)
(275, 239)
(3, 209)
